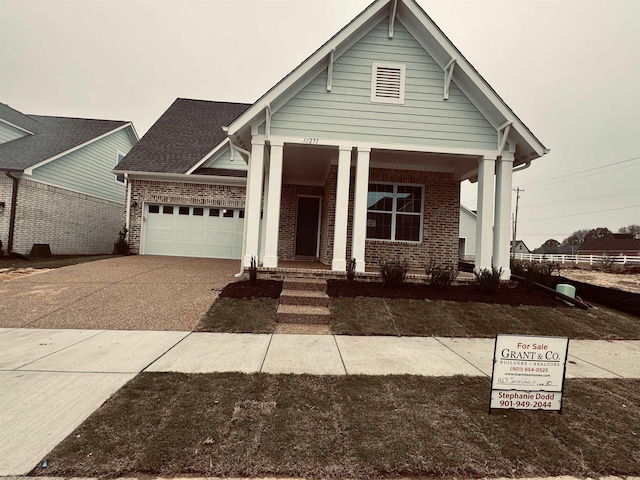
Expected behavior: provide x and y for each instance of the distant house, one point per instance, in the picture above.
(559, 250)
(57, 185)
(519, 247)
(467, 235)
(612, 244)
(358, 153)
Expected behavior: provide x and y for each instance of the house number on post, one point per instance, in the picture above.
(311, 141)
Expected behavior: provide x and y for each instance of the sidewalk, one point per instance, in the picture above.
(52, 380)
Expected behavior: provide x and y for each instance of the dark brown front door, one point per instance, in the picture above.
(307, 226)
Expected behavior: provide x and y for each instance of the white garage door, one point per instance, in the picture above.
(193, 231)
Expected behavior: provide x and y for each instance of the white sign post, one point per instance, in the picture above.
(528, 372)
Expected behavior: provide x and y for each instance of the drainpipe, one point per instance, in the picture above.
(12, 216)
(244, 225)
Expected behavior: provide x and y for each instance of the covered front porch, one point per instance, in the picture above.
(314, 200)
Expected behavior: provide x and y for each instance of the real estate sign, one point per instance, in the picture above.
(528, 372)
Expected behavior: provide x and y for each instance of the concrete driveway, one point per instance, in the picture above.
(125, 293)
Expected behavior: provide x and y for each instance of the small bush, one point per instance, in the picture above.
(393, 272)
(121, 246)
(441, 277)
(533, 272)
(606, 262)
(253, 271)
(488, 280)
(351, 270)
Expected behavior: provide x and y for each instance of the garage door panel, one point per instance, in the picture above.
(207, 233)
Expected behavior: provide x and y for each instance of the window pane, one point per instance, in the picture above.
(198, 211)
(154, 208)
(214, 212)
(183, 211)
(241, 213)
(379, 225)
(408, 227)
(227, 213)
(167, 209)
(380, 197)
(409, 199)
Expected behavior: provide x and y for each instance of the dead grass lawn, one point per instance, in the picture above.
(349, 427)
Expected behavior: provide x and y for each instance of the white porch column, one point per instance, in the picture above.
(502, 217)
(254, 202)
(265, 203)
(339, 262)
(484, 219)
(272, 217)
(360, 208)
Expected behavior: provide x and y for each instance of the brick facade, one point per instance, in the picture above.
(71, 223)
(177, 193)
(440, 223)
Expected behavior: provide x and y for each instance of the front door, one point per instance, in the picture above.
(307, 226)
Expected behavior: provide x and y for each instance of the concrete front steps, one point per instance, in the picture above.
(303, 301)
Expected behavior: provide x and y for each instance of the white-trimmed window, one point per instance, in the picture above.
(119, 176)
(394, 212)
(387, 82)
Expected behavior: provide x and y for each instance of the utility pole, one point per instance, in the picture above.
(515, 221)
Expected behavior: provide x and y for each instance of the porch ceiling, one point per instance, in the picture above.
(309, 164)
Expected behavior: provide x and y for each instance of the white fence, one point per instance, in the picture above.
(585, 259)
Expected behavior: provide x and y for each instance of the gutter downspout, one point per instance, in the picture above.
(12, 215)
(242, 151)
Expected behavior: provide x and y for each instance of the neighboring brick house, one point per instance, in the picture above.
(357, 153)
(57, 185)
(611, 245)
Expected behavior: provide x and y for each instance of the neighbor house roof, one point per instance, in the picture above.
(50, 137)
(614, 242)
(182, 136)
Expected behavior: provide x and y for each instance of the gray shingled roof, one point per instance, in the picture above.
(17, 118)
(52, 136)
(182, 136)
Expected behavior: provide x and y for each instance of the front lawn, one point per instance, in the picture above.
(238, 425)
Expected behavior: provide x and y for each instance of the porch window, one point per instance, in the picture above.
(394, 212)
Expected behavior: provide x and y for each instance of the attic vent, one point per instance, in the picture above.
(387, 83)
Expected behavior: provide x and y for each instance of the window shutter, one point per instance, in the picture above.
(387, 83)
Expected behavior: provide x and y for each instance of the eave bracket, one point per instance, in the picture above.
(392, 16)
(503, 135)
(448, 75)
(330, 69)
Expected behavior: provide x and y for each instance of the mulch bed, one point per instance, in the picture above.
(259, 289)
(461, 293)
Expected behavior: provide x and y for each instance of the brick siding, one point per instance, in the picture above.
(177, 193)
(71, 223)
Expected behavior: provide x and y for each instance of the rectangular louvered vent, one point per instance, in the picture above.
(387, 83)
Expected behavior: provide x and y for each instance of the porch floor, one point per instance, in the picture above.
(317, 269)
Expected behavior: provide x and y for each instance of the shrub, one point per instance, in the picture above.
(121, 246)
(533, 272)
(488, 280)
(607, 261)
(351, 270)
(441, 277)
(253, 271)
(393, 272)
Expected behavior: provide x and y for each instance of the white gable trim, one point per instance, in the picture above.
(16, 126)
(463, 66)
(29, 170)
(218, 149)
(420, 25)
(184, 178)
(319, 56)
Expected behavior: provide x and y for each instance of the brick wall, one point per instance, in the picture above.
(71, 223)
(440, 222)
(177, 193)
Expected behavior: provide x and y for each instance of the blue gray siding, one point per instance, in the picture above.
(348, 113)
(8, 133)
(223, 159)
(89, 169)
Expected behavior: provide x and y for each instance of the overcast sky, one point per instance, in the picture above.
(570, 69)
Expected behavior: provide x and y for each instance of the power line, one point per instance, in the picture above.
(597, 196)
(577, 214)
(572, 175)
